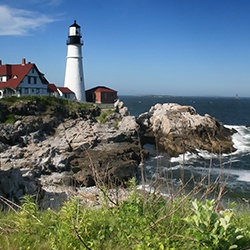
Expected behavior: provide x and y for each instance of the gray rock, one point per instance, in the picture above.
(178, 129)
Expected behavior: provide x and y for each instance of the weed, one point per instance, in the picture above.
(105, 113)
(10, 119)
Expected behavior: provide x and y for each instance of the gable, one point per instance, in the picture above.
(15, 73)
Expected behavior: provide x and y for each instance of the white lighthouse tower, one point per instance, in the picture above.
(74, 78)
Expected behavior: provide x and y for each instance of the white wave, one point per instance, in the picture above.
(191, 157)
(158, 157)
(242, 175)
(241, 139)
(152, 190)
(184, 158)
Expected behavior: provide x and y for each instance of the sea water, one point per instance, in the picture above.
(202, 167)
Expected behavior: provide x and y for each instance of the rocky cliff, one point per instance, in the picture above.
(45, 137)
(48, 145)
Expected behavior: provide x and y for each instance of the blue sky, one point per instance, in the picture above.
(165, 47)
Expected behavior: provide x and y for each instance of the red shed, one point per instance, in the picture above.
(101, 94)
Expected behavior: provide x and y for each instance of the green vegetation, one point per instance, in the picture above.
(143, 221)
(11, 119)
(13, 108)
(46, 101)
(105, 113)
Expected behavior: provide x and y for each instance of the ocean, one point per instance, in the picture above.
(201, 168)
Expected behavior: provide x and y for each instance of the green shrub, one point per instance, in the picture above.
(211, 229)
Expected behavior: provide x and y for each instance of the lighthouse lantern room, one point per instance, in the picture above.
(74, 78)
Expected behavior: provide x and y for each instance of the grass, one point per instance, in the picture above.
(46, 101)
(143, 221)
(11, 119)
(105, 113)
(15, 107)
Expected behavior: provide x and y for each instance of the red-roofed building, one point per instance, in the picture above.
(66, 92)
(52, 90)
(101, 94)
(25, 79)
(22, 79)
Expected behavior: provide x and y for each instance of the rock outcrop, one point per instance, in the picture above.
(52, 147)
(178, 129)
(41, 140)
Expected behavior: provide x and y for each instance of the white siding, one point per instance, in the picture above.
(32, 84)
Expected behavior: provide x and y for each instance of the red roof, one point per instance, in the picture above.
(65, 90)
(102, 89)
(105, 90)
(15, 73)
(52, 87)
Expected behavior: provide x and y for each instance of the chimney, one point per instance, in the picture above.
(23, 61)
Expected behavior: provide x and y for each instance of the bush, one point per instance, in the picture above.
(211, 229)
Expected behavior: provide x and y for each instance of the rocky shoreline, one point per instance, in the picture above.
(54, 150)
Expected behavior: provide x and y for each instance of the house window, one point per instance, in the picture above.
(26, 91)
(37, 91)
(32, 90)
(32, 70)
(35, 80)
(29, 79)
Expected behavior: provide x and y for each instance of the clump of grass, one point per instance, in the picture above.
(11, 119)
(105, 113)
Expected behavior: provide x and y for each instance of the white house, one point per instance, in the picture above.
(25, 79)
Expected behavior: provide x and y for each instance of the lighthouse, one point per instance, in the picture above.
(74, 78)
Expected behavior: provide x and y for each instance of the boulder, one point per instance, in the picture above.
(106, 164)
(13, 185)
(177, 129)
